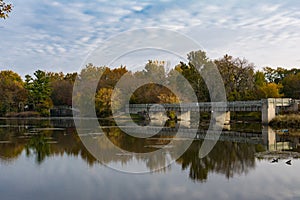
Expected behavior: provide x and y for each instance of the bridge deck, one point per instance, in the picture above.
(250, 106)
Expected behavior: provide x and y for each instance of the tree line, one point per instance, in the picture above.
(45, 90)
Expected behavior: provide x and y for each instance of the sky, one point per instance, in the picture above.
(59, 35)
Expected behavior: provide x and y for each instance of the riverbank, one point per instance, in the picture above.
(25, 114)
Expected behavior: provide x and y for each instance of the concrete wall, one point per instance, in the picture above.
(268, 110)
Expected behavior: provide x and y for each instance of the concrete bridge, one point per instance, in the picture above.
(268, 108)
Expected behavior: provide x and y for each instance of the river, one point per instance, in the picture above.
(48, 159)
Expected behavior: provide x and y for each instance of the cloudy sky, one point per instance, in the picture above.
(58, 35)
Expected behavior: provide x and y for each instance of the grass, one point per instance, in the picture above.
(284, 121)
(23, 114)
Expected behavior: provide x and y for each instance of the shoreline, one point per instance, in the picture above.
(277, 154)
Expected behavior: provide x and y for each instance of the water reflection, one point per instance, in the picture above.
(41, 139)
(45, 138)
(38, 146)
(226, 158)
(281, 140)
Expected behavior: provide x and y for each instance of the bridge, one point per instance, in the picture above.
(268, 108)
(198, 134)
(267, 136)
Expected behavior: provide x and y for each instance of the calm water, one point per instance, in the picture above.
(41, 163)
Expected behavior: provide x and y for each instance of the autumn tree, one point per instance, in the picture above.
(103, 101)
(62, 88)
(5, 9)
(269, 90)
(265, 89)
(94, 83)
(12, 92)
(110, 77)
(155, 90)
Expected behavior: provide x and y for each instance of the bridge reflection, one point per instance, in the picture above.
(279, 140)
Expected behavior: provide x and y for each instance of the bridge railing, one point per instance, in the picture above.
(209, 106)
(283, 101)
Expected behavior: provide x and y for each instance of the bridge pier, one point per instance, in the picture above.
(268, 110)
(184, 116)
(161, 116)
(221, 117)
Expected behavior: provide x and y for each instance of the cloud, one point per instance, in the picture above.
(59, 34)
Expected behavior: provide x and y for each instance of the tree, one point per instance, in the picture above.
(291, 86)
(238, 77)
(269, 90)
(155, 71)
(39, 91)
(61, 94)
(259, 78)
(5, 9)
(12, 92)
(194, 78)
(153, 82)
(195, 72)
(103, 102)
(265, 89)
(277, 75)
(62, 88)
(84, 92)
(110, 77)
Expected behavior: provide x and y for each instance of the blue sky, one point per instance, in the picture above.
(58, 35)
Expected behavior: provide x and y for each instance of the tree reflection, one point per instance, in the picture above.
(39, 146)
(227, 158)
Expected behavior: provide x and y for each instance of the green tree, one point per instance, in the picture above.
(259, 78)
(195, 80)
(5, 9)
(277, 75)
(195, 71)
(291, 86)
(238, 77)
(39, 91)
